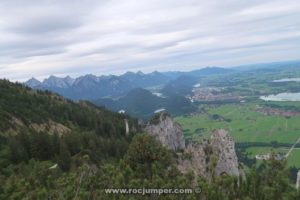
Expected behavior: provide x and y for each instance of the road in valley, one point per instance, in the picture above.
(292, 148)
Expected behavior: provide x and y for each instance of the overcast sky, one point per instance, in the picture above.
(76, 37)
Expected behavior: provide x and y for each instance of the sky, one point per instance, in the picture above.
(39, 38)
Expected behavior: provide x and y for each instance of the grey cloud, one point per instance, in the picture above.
(42, 37)
(31, 47)
(47, 25)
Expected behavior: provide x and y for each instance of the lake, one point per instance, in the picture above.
(287, 80)
(282, 97)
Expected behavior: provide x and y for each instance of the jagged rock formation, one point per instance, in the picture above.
(211, 157)
(168, 132)
(195, 159)
(223, 145)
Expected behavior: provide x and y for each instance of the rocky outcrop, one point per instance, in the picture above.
(165, 130)
(50, 127)
(208, 158)
(212, 157)
(224, 147)
(195, 159)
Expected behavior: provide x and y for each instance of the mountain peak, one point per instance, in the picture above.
(69, 80)
(57, 82)
(33, 82)
(51, 77)
(91, 77)
(129, 73)
(140, 73)
(68, 77)
(33, 79)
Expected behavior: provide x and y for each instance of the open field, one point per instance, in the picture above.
(244, 123)
(264, 150)
(294, 158)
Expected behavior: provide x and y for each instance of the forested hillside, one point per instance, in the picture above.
(142, 104)
(19, 104)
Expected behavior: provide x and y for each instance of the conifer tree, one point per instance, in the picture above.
(64, 158)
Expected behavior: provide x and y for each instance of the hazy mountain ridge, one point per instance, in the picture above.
(91, 87)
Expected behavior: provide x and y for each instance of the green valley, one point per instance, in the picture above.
(233, 102)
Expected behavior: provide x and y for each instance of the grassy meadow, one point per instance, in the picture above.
(246, 124)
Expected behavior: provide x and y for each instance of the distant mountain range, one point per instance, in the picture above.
(140, 94)
(91, 87)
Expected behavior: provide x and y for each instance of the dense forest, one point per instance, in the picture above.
(53, 148)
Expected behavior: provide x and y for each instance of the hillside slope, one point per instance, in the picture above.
(35, 124)
(142, 104)
(22, 107)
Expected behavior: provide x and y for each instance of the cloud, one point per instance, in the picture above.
(43, 37)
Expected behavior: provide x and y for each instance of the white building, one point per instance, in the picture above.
(121, 112)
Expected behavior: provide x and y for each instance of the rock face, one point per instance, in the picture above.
(51, 127)
(223, 146)
(211, 157)
(165, 130)
(194, 158)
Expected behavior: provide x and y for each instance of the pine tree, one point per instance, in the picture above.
(64, 158)
(17, 151)
(144, 152)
